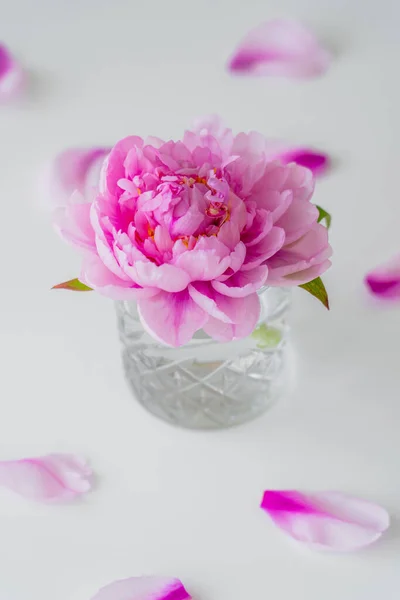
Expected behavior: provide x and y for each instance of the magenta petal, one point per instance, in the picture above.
(384, 282)
(143, 588)
(280, 47)
(172, 318)
(11, 76)
(47, 478)
(326, 520)
(317, 162)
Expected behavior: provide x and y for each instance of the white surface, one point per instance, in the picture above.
(169, 501)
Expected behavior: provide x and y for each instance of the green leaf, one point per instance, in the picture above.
(317, 289)
(73, 284)
(267, 337)
(324, 216)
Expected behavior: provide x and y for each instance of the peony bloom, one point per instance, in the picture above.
(192, 229)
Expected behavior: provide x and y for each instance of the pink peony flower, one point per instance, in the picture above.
(192, 229)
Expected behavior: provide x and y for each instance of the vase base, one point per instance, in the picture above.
(205, 396)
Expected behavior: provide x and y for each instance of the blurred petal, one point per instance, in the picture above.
(47, 478)
(143, 588)
(317, 162)
(384, 281)
(75, 169)
(326, 520)
(280, 47)
(72, 222)
(172, 318)
(11, 76)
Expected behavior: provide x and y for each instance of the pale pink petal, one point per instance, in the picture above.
(73, 223)
(95, 274)
(264, 249)
(298, 219)
(291, 264)
(169, 278)
(305, 275)
(172, 318)
(143, 588)
(384, 281)
(47, 478)
(114, 166)
(243, 283)
(280, 47)
(75, 169)
(326, 520)
(244, 314)
(12, 77)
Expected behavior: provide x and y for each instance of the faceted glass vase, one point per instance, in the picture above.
(208, 384)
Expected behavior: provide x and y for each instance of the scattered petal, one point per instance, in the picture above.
(11, 75)
(143, 588)
(326, 520)
(384, 281)
(75, 169)
(55, 477)
(280, 47)
(318, 162)
(74, 285)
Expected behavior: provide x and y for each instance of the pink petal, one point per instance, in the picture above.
(47, 478)
(143, 588)
(96, 275)
(326, 520)
(12, 77)
(114, 167)
(280, 47)
(172, 318)
(384, 281)
(298, 219)
(264, 249)
(74, 169)
(243, 283)
(73, 223)
(169, 278)
(317, 162)
(244, 314)
(290, 265)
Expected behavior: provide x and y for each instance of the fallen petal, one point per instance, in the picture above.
(54, 477)
(143, 588)
(75, 169)
(326, 520)
(11, 76)
(317, 162)
(281, 47)
(384, 281)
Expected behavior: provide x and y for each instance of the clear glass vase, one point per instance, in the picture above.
(208, 384)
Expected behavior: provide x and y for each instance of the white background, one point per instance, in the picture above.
(169, 501)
